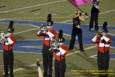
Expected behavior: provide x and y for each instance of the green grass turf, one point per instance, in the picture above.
(62, 11)
(75, 63)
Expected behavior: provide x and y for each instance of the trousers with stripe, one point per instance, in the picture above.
(94, 18)
(60, 67)
(8, 59)
(103, 63)
(47, 61)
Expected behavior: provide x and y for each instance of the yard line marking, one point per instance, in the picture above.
(2, 19)
(107, 11)
(15, 70)
(93, 56)
(66, 21)
(25, 31)
(18, 69)
(79, 51)
(30, 39)
(67, 34)
(36, 27)
(42, 4)
(104, 12)
(23, 52)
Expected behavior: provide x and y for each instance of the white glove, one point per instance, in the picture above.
(8, 41)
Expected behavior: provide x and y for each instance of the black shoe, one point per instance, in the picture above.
(5, 75)
(11, 76)
(49, 75)
(70, 48)
(82, 50)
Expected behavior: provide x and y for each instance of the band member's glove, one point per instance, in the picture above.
(56, 50)
(43, 31)
(103, 41)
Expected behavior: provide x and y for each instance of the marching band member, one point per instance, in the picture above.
(94, 16)
(7, 45)
(103, 41)
(49, 36)
(60, 52)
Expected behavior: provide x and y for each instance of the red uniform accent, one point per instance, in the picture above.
(102, 45)
(63, 50)
(47, 40)
(10, 46)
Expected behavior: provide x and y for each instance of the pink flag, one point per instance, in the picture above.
(78, 3)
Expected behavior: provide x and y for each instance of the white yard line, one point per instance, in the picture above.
(93, 56)
(88, 48)
(28, 30)
(42, 4)
(108, 11)
(23, 52)
(29, 39)
(25, 31)
(2, 19)
(66, 21)
(18, 69)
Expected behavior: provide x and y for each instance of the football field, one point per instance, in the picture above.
(28, 15)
